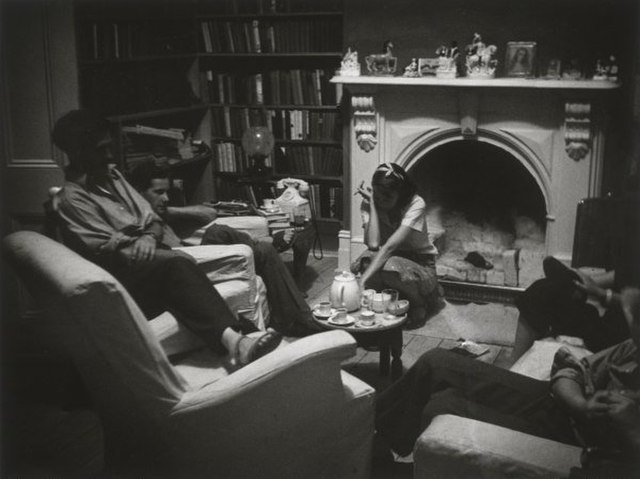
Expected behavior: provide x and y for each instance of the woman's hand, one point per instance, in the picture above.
(363, 191)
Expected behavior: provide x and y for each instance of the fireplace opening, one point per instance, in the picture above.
(487, 214)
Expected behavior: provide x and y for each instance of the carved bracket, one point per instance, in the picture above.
(364, 117)
(577, 129)
(468, 105)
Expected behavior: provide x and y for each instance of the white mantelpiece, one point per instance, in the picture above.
(555, 128)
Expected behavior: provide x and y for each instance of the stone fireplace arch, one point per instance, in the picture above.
(429, 141)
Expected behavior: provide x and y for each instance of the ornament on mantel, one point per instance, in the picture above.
(349, 66)
(382, 64)
(411, 70)
(447, 61)
(480, 61)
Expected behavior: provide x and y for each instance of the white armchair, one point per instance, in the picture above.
(290, 414)
(455, 447)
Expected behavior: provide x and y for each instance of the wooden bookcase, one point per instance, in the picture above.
(268, 63)
(212, 69)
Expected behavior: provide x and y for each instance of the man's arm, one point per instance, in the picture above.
(199, 214)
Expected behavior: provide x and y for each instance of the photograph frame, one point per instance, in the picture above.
(427, 66)
(520, 59)
(553, 70)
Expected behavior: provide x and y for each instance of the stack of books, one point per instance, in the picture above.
(277, 219)
(230, 208)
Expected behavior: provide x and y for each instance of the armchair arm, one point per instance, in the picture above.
(254, 226)
(223, 262)
(283, 416)
(323, 348)
(454, 447)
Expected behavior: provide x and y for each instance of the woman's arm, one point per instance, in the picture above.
(571, 396)
(372, 228)
(385, 252)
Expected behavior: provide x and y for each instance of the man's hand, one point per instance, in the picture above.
(623, 410)
(143, 249)
(597, 406)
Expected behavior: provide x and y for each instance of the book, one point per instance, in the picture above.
(257, 47)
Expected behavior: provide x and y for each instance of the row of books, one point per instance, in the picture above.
(262, 36)
(125, 39)
(309, 160)
(235, 7)
(327, 201)
(231, 158)
(273, 87)
(146, 87)
(305, 125)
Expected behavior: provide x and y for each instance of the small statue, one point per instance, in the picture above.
(480, 58)
(382, 63)
(600, 71)
(349, 64)
(447, 61)
(612, 73)
(411, 70)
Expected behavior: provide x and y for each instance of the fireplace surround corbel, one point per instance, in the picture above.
(555, 128)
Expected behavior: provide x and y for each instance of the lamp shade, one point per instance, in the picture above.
(257, 141)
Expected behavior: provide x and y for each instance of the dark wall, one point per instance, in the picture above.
(584, 29)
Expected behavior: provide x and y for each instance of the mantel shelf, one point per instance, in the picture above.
(533, 83)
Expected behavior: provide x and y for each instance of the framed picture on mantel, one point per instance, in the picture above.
(520, 59)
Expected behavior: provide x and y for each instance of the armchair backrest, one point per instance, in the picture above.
(90, 317)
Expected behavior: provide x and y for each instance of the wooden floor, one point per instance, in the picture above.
(42, 439)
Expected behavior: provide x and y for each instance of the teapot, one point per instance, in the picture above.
(345, 291)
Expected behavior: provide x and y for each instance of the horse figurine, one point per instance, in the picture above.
(382, 63)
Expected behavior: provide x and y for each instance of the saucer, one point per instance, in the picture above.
(319, 315)
(349, 321)
(360, 324)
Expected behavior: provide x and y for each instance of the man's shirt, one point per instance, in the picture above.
(100, 220)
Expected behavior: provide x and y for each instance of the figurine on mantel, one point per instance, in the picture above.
(350, 66)
(382, 63)
(411, 70)
(480, 58)
(447, 61)
(606, 71)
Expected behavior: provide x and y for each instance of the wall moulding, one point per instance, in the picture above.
(365, 122)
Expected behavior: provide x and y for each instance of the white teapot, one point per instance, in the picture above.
(345, 291)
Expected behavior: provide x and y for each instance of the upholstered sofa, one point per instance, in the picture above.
(170, 408)
(456, 447)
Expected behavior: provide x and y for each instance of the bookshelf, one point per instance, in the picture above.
(269, 63)
(212, 69)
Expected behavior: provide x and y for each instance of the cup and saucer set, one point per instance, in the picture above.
(377, 310)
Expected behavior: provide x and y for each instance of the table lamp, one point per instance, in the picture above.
(257, 143)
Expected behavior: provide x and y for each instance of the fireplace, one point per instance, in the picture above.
(502, 165)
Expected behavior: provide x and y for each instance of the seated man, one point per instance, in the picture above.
(290, 313)
(594, 402)
(557, 305)
(107, 221)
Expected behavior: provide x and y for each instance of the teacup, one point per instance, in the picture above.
(324, 308)
(269, 203)
(341, 315)
(367, 318)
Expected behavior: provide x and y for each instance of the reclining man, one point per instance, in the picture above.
(594, 402)
(290, 313)
(107, 221)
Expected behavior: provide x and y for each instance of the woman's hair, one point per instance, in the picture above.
(392, 176)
